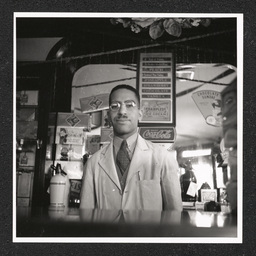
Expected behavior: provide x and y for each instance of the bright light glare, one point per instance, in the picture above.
(194, 153)
(203, 172)
(221, 220)
(203, 220)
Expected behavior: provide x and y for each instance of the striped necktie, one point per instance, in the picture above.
(122, 157)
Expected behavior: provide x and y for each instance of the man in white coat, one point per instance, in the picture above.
(148, 180)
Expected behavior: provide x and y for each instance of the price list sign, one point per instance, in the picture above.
(156, 84)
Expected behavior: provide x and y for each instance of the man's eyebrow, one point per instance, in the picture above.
(129, 100)
(123, 101)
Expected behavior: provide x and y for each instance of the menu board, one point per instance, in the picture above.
(156, 84)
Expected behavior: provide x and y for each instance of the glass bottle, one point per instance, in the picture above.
(59, 188)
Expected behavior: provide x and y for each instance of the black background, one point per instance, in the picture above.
(7, 8)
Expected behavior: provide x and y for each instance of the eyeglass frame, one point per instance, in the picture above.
(119, 104)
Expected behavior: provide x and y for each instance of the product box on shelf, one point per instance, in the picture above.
(200, 206)
(208, 195)
(69, 135)
(72, 120)
(24, 188)
(27, 97)
(94, 103)
(69, 152)
(28, 153)
(27, 159)
(106, 134)
(24, 182)
(75, 189)
(92, 143)
(23, 201)
(71, 127)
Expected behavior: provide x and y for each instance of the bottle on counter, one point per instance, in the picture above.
(188, 183)
(59, 188)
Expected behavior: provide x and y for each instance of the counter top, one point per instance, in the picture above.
(75, 222)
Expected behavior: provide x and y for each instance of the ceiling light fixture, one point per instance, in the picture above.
(195, 153)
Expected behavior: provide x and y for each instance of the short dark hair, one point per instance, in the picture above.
(125, 86)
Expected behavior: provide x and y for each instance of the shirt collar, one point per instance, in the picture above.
(131, 142)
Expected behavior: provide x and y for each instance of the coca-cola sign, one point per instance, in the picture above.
(158, 134)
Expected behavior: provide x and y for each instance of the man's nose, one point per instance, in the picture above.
(122, 109)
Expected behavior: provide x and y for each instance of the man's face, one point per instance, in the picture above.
(124, 120)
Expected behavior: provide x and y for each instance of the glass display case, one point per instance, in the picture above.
(26, 144)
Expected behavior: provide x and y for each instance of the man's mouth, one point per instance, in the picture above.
(122, 120)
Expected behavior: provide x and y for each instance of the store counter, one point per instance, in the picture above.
(74, 222)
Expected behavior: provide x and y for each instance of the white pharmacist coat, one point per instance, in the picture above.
(152, 182)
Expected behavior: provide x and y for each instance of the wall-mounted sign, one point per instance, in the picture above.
(156, 85)
(158, 134)
(94, 103)
(69, 135)
(209, 104)
(71, 120)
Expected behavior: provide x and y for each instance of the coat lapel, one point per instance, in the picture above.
(138, 157)
(108, 165)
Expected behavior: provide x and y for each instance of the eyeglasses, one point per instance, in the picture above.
(129, 104)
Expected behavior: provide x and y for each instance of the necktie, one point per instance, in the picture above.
(122, 157)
